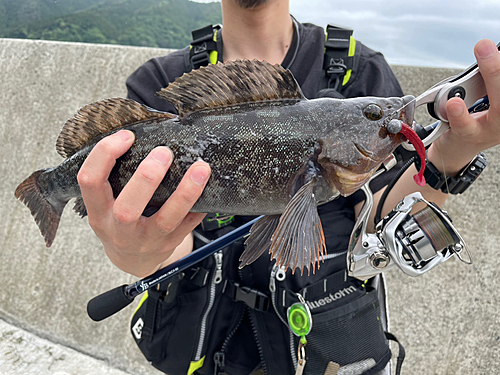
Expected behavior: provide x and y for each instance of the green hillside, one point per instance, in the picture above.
(152, 23)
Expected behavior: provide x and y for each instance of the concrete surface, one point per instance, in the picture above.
(24, 353)
(447, 319)
(46, 290)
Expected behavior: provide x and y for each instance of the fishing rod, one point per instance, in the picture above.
(114, 300)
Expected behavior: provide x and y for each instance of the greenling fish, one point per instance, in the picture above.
(272, 152)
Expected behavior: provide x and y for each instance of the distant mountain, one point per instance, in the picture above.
(152, 23)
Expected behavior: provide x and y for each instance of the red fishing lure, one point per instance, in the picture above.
(415, 140)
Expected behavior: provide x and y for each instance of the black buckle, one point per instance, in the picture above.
(252, 297)
(336, 66)
(202, 45)
(200, 59)
(336, 71)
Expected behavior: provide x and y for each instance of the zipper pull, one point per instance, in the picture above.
(218, 267)
(281, 274)
(272, 279)
(219, 363)
(277, 273)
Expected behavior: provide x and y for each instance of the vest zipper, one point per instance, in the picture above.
(334, 255)
(219, 357)
(272, 288)
(216, 279)
(257, 341)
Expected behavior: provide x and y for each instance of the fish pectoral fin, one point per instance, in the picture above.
(299, 240)
(259, 240)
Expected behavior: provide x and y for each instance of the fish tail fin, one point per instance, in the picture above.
(46, 214)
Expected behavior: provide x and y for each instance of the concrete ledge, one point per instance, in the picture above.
(24, 353)
(448, 319)
(46, 290)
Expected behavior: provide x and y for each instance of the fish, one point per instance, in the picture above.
(272, 152)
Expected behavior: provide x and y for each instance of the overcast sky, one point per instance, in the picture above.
(419, 32)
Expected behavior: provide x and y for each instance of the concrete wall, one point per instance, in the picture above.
(447, 319)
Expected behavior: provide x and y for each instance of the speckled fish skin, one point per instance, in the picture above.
(260, 152)
(262, 146)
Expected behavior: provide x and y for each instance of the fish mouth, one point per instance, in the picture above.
(366, 153)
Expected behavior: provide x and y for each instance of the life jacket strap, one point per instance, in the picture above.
(254, 298)
(339, 61)
(203, 50)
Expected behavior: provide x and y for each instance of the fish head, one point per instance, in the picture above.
(359, 140)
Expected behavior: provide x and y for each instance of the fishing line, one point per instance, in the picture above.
(392, 116)
(390, 186)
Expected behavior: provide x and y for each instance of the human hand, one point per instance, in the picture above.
(470, 134)
(134, 243)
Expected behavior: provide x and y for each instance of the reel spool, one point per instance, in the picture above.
(423, 235)
(419, 242)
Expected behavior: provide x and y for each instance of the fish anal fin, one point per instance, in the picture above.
(259, 240)
(100, 118)
(230, 83)
(298, 240)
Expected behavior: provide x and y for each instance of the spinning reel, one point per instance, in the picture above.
(414, 243)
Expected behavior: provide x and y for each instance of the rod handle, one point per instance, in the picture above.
(108, 303)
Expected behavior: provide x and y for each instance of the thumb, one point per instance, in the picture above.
(461, 122)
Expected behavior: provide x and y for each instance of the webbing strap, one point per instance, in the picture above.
(150, 316)
(204, 46)
(252, 297)
(401, 353)
(339, 55)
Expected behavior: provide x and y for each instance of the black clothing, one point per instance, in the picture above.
(373, 78)
(249, 338)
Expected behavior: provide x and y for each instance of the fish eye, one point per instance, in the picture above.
(373, 112)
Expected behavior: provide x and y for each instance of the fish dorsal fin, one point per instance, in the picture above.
(100, 118)
(230, 83)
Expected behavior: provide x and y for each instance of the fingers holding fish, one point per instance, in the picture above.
(93, 175)
(184, 197)
(136, 194)
(143, 246)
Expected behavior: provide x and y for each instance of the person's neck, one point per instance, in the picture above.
(263, 33)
